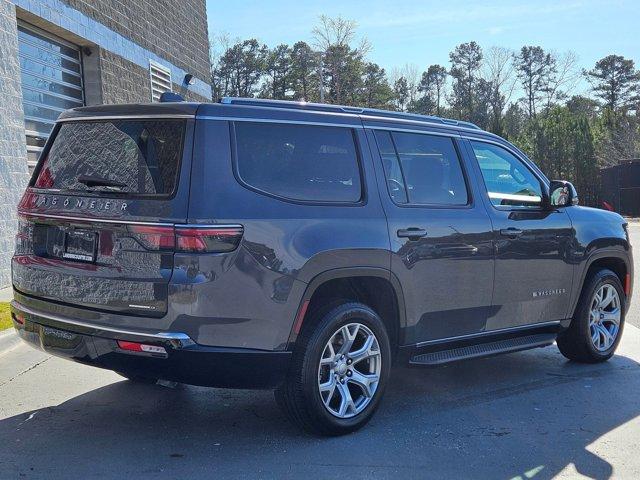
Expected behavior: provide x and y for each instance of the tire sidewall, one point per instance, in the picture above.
(330, 323)
(601, 278)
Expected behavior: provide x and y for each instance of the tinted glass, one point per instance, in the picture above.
(509, 182)
(133, 156)
(395, 181)
(300, 162)
(431, 170)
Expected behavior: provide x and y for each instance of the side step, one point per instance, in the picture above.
(484, 349)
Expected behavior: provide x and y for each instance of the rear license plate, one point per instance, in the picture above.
(80, 245)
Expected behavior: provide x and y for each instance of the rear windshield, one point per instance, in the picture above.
(135, 157)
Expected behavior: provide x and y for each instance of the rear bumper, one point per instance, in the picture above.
(184, 362)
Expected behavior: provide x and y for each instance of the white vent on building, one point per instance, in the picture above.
(160, 80)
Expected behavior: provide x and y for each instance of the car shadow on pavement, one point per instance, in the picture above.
(524, 415)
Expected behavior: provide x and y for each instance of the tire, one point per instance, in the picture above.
(328, 413)
(577, 342)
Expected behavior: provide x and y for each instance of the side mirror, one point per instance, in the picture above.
(562, 194)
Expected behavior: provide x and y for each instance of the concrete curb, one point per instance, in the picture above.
(8, 340)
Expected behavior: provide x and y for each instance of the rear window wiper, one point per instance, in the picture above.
(95, 181)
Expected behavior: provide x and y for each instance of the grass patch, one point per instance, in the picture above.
(5, 316)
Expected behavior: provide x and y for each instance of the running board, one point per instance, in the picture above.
(484, 349)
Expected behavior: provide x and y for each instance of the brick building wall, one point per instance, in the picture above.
(177, 31)
(13, 153)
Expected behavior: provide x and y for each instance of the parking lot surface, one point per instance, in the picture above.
(524, 415)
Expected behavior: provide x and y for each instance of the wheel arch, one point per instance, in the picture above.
(356, 283)
(615, 260)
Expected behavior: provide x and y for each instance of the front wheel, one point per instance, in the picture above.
(339, 371)
(596, 327)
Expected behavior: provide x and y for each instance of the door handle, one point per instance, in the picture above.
(412, 233)
(511, 232)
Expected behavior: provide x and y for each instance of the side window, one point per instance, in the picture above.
(509, 182)
(299, 162)
(422, 169)
(392, 170)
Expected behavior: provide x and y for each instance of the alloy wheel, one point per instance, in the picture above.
(349, 370)
(604, 317)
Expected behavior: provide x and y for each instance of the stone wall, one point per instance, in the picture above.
(13, 149)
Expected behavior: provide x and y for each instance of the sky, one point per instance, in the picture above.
(424, 32)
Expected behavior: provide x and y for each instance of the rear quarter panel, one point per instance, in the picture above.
(250, 298)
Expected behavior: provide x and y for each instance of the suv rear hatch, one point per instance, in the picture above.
(96, 222)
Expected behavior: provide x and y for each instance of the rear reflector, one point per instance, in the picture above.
(18, 317)
(297, 326)
(141, 347)
(627, 284)
(189, 238)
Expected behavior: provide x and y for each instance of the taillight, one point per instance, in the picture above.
(189, 238)
(154, 237)
(45, 179)
(223, 238)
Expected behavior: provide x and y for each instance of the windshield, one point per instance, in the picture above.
(136, 157)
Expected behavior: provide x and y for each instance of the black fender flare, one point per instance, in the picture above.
(617, 253)
(346, 272)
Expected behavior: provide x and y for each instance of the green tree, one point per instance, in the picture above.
(304, 72)
(431, 86)
(376, 92)
(242, 67)
(615, 81)
(466, 60)
(401, 93)
(277, 69)
(535, 69)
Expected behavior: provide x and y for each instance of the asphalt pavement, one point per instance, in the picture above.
(528, 415)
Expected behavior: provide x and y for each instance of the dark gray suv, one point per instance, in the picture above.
(305, 248)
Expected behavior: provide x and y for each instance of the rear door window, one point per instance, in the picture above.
(422, 169)
(132, 157)
(299, 162)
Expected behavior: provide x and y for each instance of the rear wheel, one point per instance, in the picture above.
(339, 371)
(596, 328)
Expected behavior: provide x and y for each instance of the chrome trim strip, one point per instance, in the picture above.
(452, 135)
(488, 332)
(242, 106)
(182, 338)
(275, 120)
(92, 219)
(125, 117)
(209, 225)
(375, 118)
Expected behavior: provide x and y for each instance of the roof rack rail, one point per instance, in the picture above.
(324, 107)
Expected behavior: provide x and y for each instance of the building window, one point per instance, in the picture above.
(51, 71)
(160, 80)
